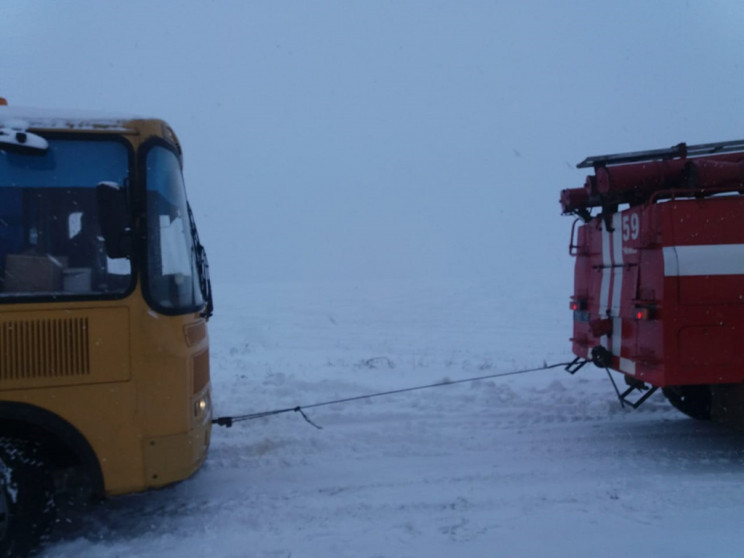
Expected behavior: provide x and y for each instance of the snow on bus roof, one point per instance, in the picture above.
(30, 117)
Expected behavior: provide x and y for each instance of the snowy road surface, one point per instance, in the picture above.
(543, 464)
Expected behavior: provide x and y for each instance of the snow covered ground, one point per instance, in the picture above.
(542, 464)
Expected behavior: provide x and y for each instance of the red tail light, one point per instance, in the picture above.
(643, 313)
(578, 305)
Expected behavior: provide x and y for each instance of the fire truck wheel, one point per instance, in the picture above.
(26, 497)
(694, 401)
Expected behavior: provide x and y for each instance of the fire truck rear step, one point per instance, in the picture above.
(633, 386)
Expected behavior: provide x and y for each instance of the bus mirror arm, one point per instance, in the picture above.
(114, 219)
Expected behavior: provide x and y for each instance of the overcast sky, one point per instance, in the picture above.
(381, 139)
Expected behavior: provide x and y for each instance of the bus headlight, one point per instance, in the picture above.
(202, 407)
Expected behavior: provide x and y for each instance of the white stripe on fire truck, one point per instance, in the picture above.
(617, 283)
(704, 259)
(617, 261)
(628, 366)
(611, 289)
(604, 290)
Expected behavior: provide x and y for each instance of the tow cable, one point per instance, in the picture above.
(229, 420)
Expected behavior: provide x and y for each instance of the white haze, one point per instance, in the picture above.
(388, 140)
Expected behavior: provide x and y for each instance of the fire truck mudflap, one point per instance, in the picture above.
(659, 273)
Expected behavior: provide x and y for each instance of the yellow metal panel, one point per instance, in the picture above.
(169, 458)
(66, 347)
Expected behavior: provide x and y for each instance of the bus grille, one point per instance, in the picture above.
(44, 348)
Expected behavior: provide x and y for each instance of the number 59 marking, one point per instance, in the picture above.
(631, 226)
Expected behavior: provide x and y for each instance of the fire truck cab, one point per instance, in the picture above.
(659, 274)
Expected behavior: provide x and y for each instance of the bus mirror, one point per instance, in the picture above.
(21, 141)
(113, 217)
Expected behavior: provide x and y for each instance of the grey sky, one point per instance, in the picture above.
(388, 139)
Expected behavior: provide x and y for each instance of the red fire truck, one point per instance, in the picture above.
(659, 275)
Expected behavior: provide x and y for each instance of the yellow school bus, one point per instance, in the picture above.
(104, 302)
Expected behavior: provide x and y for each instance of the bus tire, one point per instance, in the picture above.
(27, 507)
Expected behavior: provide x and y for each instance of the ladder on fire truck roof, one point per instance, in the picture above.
(681, 150)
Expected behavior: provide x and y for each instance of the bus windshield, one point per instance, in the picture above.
(50, 235)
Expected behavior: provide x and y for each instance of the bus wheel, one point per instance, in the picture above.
(694, 401)
(26, 497)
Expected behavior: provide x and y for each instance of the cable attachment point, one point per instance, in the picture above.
(601, 357)
(299, 410)
(223, 421)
